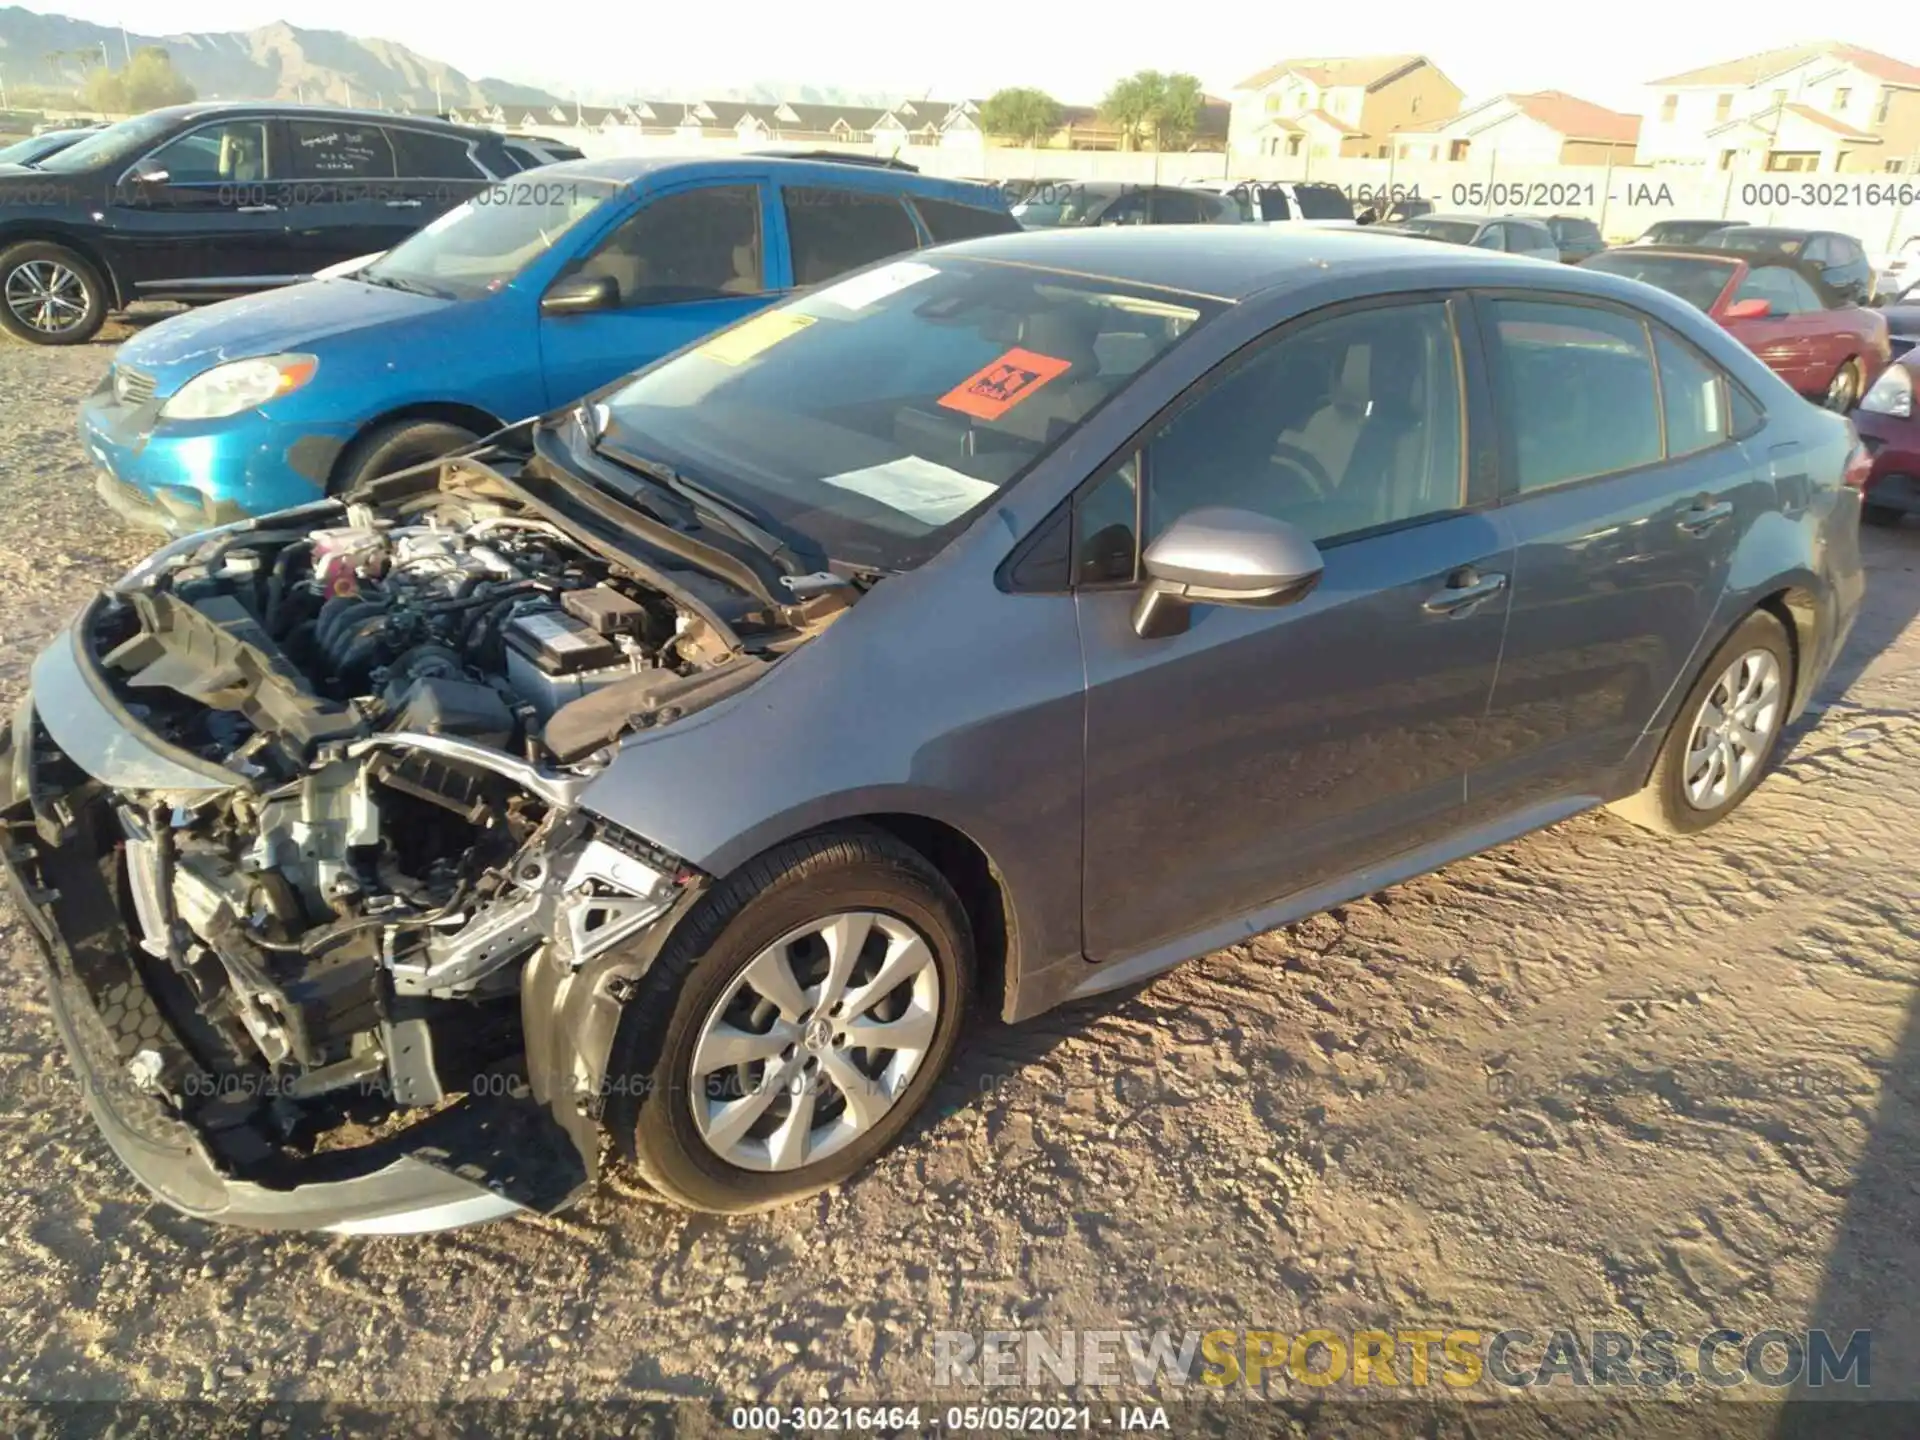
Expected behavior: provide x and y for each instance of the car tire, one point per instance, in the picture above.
(702, 1000)
(397, 446)
(1843, 391)
(1702, 774)
(39, 279)
(1887, 515)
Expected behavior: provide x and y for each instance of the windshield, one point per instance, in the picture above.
(1460, 232)
(873, 416)
(125, 141)
(1699, 282)
(25, 152)
(476, 248)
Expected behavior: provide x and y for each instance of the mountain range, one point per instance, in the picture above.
(286, 62)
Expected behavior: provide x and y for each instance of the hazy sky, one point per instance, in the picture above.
(1601, 51)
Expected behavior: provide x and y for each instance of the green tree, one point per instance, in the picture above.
(146, 82)
(1178, 114)
(1130, 102)
(1021, 114)
(1148, 105)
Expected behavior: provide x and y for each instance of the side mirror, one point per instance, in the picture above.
(577, 294)
(1749, 310)
(1219, 556)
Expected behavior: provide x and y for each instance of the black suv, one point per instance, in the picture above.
(202, 202)
(1576, 235)
(1837, 261)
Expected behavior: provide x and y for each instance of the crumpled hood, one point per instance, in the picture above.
(300, 317)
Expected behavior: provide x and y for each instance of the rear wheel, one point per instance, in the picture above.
(1724, 735)
(49, 295)
(398, 446)
(791, 1030)
(1843, 391)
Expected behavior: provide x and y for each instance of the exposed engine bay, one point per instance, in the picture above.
(385, 714)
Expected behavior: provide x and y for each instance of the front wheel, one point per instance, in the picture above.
(1843, 391)
(49, 295)
(398, 446)
(792, 1029)
(1724, 735)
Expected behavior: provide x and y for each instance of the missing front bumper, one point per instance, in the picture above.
(479, 1159)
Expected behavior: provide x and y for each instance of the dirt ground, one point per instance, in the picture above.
(1591, 1079)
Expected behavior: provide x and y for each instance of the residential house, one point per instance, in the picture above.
(1350, 106)
(1823, 106)
(1546, 127)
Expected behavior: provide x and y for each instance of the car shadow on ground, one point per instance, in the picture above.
(1872, 1279)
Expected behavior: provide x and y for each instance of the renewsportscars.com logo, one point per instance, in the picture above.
(1580, 1359)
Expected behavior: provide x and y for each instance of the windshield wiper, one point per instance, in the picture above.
(711, 506)
(411, 287)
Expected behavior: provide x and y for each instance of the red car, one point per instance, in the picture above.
(1889, 424)
(1827, 349)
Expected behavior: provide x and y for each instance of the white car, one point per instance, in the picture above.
(1286, 202)
(1898, 268)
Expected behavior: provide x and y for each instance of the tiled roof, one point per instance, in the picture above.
(1753, 69)
(1369, 71)
(1577, 119)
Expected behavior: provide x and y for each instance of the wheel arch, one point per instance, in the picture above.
(447, 412)
(29, 233)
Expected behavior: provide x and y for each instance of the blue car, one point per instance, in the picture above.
(529, 295)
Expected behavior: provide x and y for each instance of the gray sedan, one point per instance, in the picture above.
(988, 629)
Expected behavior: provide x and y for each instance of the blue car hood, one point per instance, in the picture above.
(299, 318)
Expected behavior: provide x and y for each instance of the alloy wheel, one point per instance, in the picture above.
(815, 1040)
(1733, 729)
(46, 296)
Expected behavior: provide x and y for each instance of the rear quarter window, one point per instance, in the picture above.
(949, 220)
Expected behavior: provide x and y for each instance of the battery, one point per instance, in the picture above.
(559, 643)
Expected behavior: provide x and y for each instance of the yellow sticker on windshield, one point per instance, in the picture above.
(749, 338)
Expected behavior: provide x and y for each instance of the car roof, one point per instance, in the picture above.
(1466, 219)
(626, 170)
(1227, 262)
(1683, 252)
(295, 110)
(1785, 232)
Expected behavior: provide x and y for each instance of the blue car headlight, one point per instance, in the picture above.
(239, 385)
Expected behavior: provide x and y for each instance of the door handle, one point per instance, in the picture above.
(258, 209)
(1703, 517)
(403, 204)
(1465, 589)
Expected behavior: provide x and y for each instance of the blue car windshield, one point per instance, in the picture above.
(476, 248)
(876, 415)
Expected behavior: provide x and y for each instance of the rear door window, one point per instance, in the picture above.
(328, 151)
(1176, 207)
(1576, 391)
(833, 231)
(1273, 203)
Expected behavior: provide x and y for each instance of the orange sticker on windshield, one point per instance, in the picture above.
(996, 388)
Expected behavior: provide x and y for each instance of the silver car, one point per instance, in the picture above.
(986, 629)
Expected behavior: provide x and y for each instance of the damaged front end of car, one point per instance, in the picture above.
(296, 811)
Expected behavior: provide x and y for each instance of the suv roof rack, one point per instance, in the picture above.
(836, 157)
